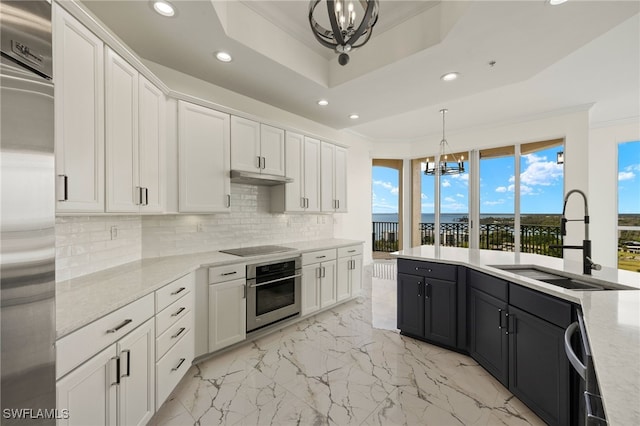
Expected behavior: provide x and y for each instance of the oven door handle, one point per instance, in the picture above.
(275, 281)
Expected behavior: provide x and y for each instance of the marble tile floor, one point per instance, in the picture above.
(345, 366)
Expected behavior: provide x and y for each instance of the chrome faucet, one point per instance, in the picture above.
(587, 263)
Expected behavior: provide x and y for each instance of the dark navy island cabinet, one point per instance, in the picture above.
(427, 301)
(514, 332)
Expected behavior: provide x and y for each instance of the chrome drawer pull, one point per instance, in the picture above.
(351, 251)
(124, 323)
(178, 333)
(320, 257)
(179, 364)
(178, 312)
(180, 290)
(229, 273)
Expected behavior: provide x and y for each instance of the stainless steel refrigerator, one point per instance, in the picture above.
(27, 209)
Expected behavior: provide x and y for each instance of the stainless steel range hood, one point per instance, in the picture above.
(251, 178)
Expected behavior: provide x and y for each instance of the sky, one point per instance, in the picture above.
(541, 185)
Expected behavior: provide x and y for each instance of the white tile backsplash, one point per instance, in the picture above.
(249, 223)
(84, 244)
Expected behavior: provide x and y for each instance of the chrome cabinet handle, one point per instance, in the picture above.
(178, 291)
(259, 161)
(306, 202)
(302, 202)
(244, 291)
(116, 369)
(65, 188)
(419, 289)
(179, 364)
(178, 312)
(139, 200)
(321, 257)
(224, 274)
(351, 251)
(229, 200)
(118, 327)
(500, 319)
(338, 201)
(178, 333)
(580, 368)
(128, 373)
(324, 272)
(318, 272)
(146, 196)
(264, 163)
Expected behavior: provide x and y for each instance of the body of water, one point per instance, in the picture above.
(430, 217)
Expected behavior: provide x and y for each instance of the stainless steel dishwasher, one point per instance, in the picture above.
(591, 409)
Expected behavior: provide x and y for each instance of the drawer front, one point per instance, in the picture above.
(174, 291)
(542, 305)
(77, 347)
(172, 313)
(173, 334)
(488, 284)
(173, 366)
(440, 271)
(350, 251)
(220, 274)
(318, 256)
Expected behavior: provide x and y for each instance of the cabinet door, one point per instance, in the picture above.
(245, 144)
(411, 304)
(227, 314)
(79, 114)
(272, 150)
(203, 146)
(328, 290)
(327, 200)
(343, 278)
(340, 176)
(89, 392)
(137, 375)
(312, 174)
(440, 311)
(151, 123)
(538, 366)
(121, 132)
(294, 162)
(356, 276)
(488, 341)
(310, 289)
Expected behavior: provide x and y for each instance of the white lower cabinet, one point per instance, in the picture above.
(173, 366)
(349, 281)
(227, 313)
(114, 387)
(319, 288)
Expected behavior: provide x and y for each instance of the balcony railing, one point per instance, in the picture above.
(533, 238)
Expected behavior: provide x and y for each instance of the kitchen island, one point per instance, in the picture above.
(612, 318)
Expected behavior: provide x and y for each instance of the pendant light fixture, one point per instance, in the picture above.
(344, 34)
(445, 167)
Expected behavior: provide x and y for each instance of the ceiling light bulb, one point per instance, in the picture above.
(323, 102)
(556, 2)
(164, 8)
(223, 57)
(354, 116)
(450, 76)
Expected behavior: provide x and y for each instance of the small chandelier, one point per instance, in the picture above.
(344, 33)
(445, 167)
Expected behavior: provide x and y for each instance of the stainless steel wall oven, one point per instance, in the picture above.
(273, 291)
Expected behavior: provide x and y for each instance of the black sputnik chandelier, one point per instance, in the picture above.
(345, 32)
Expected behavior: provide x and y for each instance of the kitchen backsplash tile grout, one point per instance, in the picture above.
(84, 244)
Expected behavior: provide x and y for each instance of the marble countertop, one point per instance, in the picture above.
(82, 300)
(612, 318)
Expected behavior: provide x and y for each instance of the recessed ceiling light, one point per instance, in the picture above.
(223, 57)
(323, 102)
(163, 8)
(354, 116)
(450, 76)
(556, 2)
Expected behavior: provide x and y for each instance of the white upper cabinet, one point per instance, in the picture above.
(121, 132)
(272, 150)
(152, 141)
(256, 147)
(333, 178)
(245, 145)
(204, 166)
(134, 139)
(302, 164)
(79, 115)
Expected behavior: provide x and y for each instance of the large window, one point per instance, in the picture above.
(629, 206)
(497, 205)
(454, 206)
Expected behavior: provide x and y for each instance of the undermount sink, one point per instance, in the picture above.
(561, 279)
